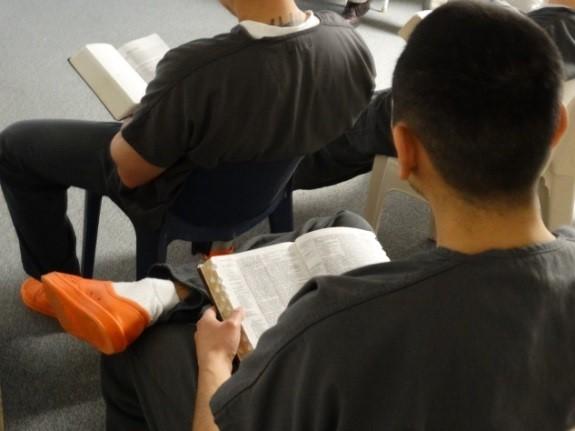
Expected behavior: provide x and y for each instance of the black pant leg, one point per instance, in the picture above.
(39, 160)
(352, 153)
(152, 385)
(123, 410)
(342, 218)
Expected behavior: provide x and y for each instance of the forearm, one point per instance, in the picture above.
(216, 346)
(132, 168)
(209, 380)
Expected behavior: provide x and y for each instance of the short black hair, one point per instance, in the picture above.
(480, 86)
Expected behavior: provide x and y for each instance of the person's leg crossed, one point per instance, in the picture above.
(39, 160)
(152, 385)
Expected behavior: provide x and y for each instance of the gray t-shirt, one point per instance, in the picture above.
(233, 98)
(440, 342)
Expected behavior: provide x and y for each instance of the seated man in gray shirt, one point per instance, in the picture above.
(476, 334)
(261, 92)
(352, 153)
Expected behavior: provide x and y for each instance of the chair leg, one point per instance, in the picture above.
(544, 201)
(561, 200)
(92, 205)
(281, 220)
(374, 202)
(151, 248)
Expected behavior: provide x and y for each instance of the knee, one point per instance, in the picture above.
(14, 131)
(350, 219)
(114, 374)
(10, 138)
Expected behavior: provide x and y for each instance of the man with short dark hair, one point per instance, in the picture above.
(352, 153)
(477, 334)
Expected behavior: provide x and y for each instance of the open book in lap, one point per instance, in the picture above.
(263, 281)
(119, 76)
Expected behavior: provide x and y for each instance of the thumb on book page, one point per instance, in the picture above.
(237, 315)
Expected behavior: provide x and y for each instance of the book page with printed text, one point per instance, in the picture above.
(118, 86)
(262, 281)
(144, 54)
(336, 250)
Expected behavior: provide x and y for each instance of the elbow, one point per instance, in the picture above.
(132, 169)
(129, 180)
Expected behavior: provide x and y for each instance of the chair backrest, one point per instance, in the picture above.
(557, 184)
(233, 194)
(214, 205)
(562, 161)
(1, 412)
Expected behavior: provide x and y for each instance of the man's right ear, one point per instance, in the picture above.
(561, 127)
(406, 145)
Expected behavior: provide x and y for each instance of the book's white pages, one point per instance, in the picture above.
(144, 54)
(119, 77)
(118, 86)
(339, 249)
(263, 281)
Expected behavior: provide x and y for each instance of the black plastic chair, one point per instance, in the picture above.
(215, 205)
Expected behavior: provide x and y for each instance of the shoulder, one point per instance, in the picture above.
(186, 58)
(224, 51)
(329, 18)
(567, 233)
(332, 24)
(202, 52)
(184, 63)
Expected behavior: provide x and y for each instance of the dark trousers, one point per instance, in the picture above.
(39, 160)
(152, 385)
(352, 153)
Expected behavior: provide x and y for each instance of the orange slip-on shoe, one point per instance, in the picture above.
(34, 296)
(220, 252)
(92, 311)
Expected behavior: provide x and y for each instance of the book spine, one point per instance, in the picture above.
(223, 303)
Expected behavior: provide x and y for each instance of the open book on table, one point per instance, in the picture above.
(119, 76)
(263, 280)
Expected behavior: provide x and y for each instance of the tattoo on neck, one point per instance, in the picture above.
(279, 21)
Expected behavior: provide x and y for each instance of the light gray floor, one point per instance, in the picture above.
(50, 381)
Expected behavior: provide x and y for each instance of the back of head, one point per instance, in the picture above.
(480, 86)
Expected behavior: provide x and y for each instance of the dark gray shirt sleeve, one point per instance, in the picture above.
(160, 130)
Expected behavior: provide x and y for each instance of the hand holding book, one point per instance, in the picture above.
(263, 281)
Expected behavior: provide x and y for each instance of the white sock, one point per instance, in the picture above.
(153, 294)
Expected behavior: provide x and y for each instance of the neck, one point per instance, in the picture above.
(468, 229)
(567, 3)
(278, 12)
